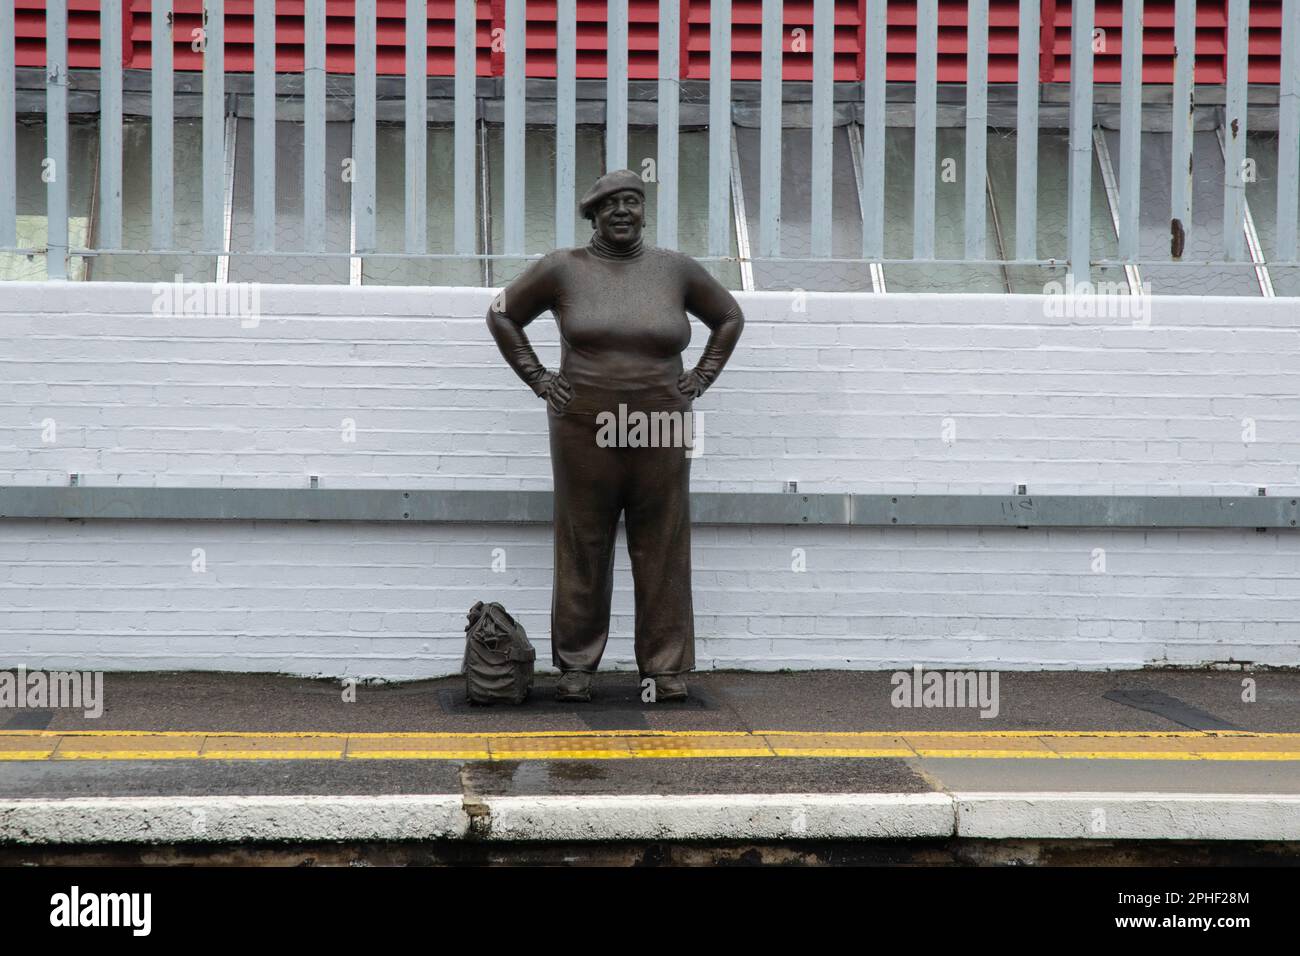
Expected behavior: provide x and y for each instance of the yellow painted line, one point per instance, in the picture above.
(989, 753)
(640, 744)
(111, 748)
(7, 735)
(227, 748)
(564, 755)
(1251, 755)
(839, 752)
(713, 745)
(24, 748)
(127, 755)
(432, 735)
(667, 753)
(1171, 755)
(838, 745)
(661, 752)
(415, 754)
(856, 734)
(658, 753)
(405, 748)
(380, 735)
(1119, 734)
(556, 748)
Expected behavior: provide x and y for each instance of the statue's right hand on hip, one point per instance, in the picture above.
(555, 388)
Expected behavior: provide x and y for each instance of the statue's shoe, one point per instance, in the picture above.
(574, 686)
(670, 687)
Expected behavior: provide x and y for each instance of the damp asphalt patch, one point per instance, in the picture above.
(514, 778)
(29, 720)
(1171, 708)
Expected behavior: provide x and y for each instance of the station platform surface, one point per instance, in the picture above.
(1150, 754)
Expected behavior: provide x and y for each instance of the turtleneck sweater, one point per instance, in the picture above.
(622, 316)
(610, 250)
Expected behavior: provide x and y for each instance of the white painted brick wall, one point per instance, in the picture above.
(849, 395)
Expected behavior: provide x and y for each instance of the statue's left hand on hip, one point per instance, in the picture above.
(691, 384)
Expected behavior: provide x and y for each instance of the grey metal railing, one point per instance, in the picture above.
(1079, 257)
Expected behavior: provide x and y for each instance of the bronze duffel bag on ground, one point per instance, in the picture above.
(498, 663)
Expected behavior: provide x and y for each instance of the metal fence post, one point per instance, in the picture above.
(1080, 203)
(823, 132)
(923, 167)
(55, 165)
(719, 127)
(214, 123)
(1027, 132)
(977, 119)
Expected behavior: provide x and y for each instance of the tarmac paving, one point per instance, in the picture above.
(720, 700)
(1150, 704)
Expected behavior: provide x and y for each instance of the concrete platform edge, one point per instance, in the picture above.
(290, 819)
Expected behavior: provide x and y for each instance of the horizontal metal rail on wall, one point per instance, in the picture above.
(707, 508)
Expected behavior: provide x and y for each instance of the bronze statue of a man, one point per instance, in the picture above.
(621, 309)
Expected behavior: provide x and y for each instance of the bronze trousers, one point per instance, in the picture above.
(650, 487)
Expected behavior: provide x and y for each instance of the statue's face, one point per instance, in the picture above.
(620, 217)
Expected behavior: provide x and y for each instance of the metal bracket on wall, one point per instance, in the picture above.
(707, 508)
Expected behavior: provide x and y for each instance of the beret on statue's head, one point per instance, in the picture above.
(610, 183)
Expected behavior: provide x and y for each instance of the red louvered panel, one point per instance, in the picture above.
(136, 37)
(1004, 41)
(391, 43)
(187, 17)
(83, 33)
(642, 38)
(747, 40)
(339, 36)
(643, 17)
(1265, 42)
(1158, 42)
(540, 38)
